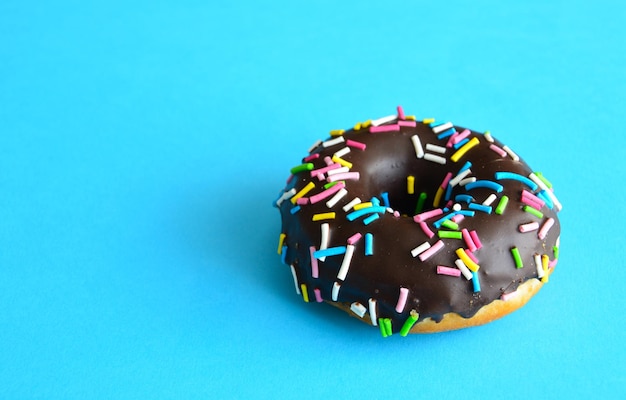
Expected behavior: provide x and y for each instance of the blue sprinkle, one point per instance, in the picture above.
(294, 209)
(448, 194)
(465, 166)
(369, 241)
(546, 199)
(464, 197)
(359, 213)
(461, 143)
(371, 218)
(484, 184)
(446, 133)
(480, 207)
(511, 175)
(331, 251)
(475, 282)
(375, 201)
(283, 254)
(385, 197)
(434, 124)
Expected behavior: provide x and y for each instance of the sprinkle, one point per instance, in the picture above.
(450, 225)
(448, 194)
(400, 112)
(545, 228)
(411, 118)
(435, 148)
(511, 153)
(344, 176)
(496, 187)
(314, 145)
(538, 265)
(281, 240)
(357, 126)
(475, 282)
(318, 295)
(479, 207)
(294, 210)
(420, 202)
(333, 142)
(305, 293)
(425, 255)
(295, 278)
(410, 184)
(342, 161)
(302, 200)
(427, 121)
(464, 149)
(517, 258)
(476, 240)
(351, 204)
(502, 205)
(463, 268)
(467, 181)
(555, 250)
(323, 216)
(335, 292)
(302, 192)
(489, 200)
(487, 135)
(426, 229)
(417, 144)
(469, 263)
(383, 120)
(459, 177)
(366, 124)
(326, 193)
(532, 200)
(511, 175)
(358, 309)
(331, 251)
(529, 227)
(420, 249)
(457, 138)
(385, 128)
(543, 196)
(533, 211)
(345, 264)
(434, 158)
(372, 310)
(324, 239)
(408, 324)
(369, 244)
(449, 235)
(404, 293)
(410, 124)
(302, 167)
(328, 160)
(498, 150)
(338, 196)
(375, 201)
(385, 326)
(361, 206)
(359, 213)
(385, 197)
(370, 219)
(443, 270)
(336, 132)
(544, 265)
(427, 215)
(466, 198)
(442, 127)
(342, 152)
(472, 256)
(314, 265)
(457, 218)
(355, 144)
(508, 296)
(543, 179)
(446, 180)
(285, 196)
(283, 254)
(447, 133)
(311, 157)
(325, 169)
(438, 196)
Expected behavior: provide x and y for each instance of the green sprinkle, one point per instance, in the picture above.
(408, 324)
(517, 258)
(420, 203)
(502, 205)
(450, 224)
(543, 179)
(331, 184)
(381, 325)
(533, 211)
(302, 167)
(387, 322)
(555, 249)
(450, 234)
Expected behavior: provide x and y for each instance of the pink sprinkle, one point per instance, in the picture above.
(425, 255)
(411, 124)
(553, 263)
(325, 169)
(404, 293)
(355, 144)
(529, 227)
(328, 160)
(450, 139)
(476, 240)
(461, 136)
(449, 204)
(426, 229)
(508, 296)
(472, 256)
(498, 150)
(354, 238)
(311, 157)
(385, 128)
(289, 179)
(530, 198)
(396, 214)
(468, 240)
(344, 176)
(321, 177)
(327, 193)
(302, 201)
(458, 218)
(545, 228)
(318, 295)
(314, 265)
(428, 214)
(400, 112)
(443, 270)
(446, 180)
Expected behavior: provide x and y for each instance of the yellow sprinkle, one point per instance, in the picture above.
(336, 132)
(428, 121)
(410, 118)
(362, 205)
(410, 184)
(544, 265)
(438, 197)
(305, 294)
(281, 241)
(341, 161)
(466, 260)
(366, 124)
(460, 152)
(323, 216)
(302, 192)
(357, 126)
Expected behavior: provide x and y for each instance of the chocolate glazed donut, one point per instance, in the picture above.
(417, 226)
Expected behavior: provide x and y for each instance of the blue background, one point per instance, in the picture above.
(141, 145)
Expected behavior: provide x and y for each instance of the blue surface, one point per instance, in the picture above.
(142, 144)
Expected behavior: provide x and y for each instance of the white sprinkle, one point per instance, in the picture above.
(489, 200)
(419, 150)
(335, 292)
(340, 170)
(358, 309)
(511, 153)
(372, 310)
(345, 264)
(541, 184)
(332, 142)
(295, 279)
(338, 196)
(539, 266)
(442, 127)
(456, 207)
(464, 270)
(435, 148)
(434, 158)
(351, 204)
(314, 146)
(342, 152)
(286, 196)
(465, 181)
(529, 227)
(420, 249)
(383, 120)
(460, 176)
(324, 242)
(488, 136)
(558, 241)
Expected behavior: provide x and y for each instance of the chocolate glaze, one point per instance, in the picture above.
(384, 166)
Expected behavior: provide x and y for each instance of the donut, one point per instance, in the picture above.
(417, 226)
